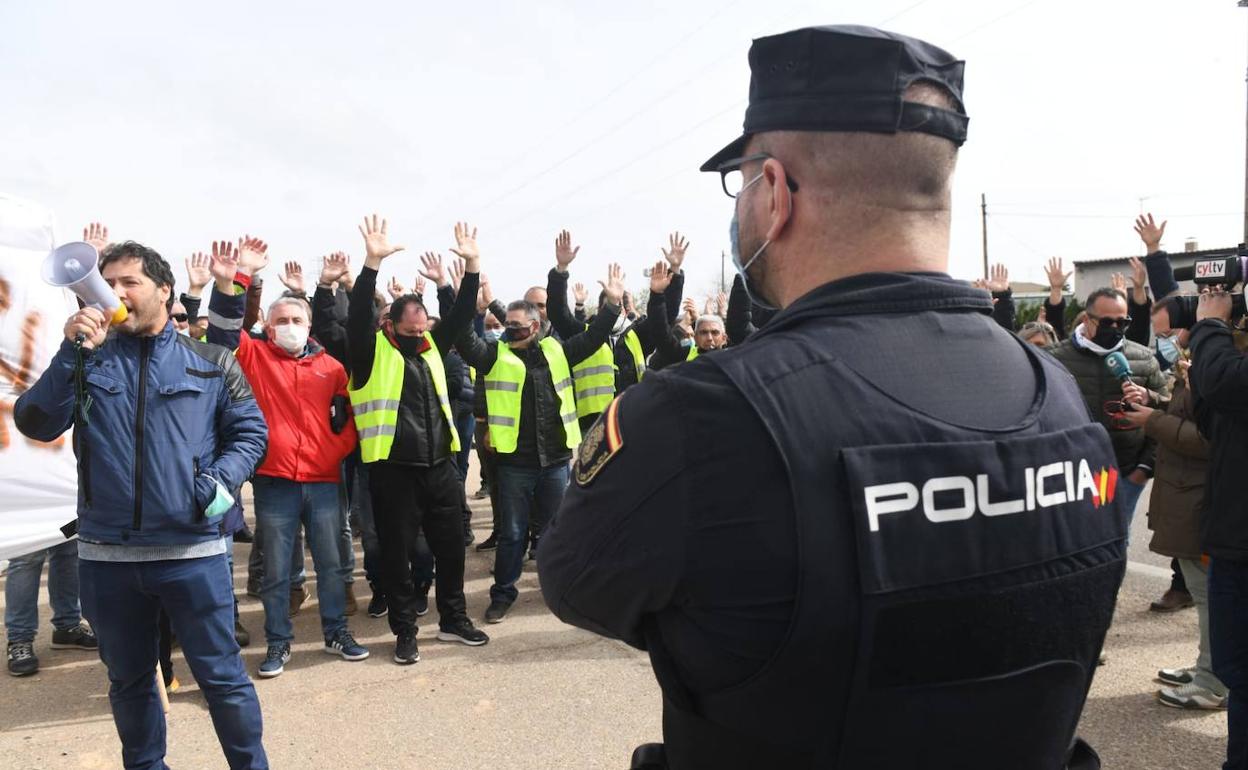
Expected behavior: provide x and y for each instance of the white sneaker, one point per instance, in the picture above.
(1176, 676)
(1191, 696)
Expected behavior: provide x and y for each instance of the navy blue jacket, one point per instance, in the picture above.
(169, 417)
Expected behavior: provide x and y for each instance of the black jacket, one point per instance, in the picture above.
(458, 380)
(542, 441)
(1219, 382)
(423, 437)
(328, 326)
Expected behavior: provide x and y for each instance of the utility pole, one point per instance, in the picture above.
(1244, 4)
(722, 286)
(983, 207)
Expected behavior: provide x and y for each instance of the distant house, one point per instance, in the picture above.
(1092, 274)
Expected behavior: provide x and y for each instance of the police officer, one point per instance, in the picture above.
(881, 533)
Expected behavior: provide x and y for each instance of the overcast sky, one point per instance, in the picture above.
(176, 124)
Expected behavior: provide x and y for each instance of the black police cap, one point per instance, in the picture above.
(846, 78)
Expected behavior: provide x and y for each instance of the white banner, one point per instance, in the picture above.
(38, 481)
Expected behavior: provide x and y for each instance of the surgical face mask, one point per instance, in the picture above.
(492, 336)
(185, 332)
(734, 237)
(620, 322)
(1167, 351)
(291, 337)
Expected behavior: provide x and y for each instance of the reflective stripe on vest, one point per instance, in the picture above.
(504, 384)
(594, 382)
(376, 405)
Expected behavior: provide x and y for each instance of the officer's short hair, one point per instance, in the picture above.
(529, 309)
(154, 266)
(1113, 294)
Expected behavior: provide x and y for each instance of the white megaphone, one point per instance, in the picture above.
(73, 266)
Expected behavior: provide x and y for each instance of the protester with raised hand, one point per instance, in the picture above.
(1055, 305)
(302, 393)
(407, 436)
(198, 276)
(622, 361)
(707, 329)
(532, 422)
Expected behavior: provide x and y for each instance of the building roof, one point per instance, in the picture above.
(1201, 254)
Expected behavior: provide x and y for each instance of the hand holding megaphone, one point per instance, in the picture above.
(88, 326)
(74, 266)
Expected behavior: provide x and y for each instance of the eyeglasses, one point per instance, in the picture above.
(179, 317)
(1120, 323)
(734, 181)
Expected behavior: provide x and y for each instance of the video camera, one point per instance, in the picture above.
(1226, 271)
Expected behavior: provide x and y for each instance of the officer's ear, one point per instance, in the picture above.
(780, 206)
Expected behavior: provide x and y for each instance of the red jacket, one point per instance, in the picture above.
(295, 396)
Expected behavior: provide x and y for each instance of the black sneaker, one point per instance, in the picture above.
(488, 544)
(497, 611)
(481, 493)
(344, 645)
(241, 635)
(463, 631)
(470, 537)
(377, 606)
(422, 599)
(275, 660)
(77, 638)
(22, 660)
(405, 652)
(245, 535)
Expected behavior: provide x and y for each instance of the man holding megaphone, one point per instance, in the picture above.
(166, 430)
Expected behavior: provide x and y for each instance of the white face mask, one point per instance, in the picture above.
(620, 322)
(185, 332)
(291, 337)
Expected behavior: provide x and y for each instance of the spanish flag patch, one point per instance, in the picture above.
(602, 443)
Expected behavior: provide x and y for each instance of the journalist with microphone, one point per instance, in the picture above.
(166, 430)
(1219, 381)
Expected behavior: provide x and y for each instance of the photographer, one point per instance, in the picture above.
(1219, 380)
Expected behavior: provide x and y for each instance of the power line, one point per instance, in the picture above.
(1132, 216)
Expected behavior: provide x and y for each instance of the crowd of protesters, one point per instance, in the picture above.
(364, 406)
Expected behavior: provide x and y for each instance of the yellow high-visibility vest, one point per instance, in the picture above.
(595, 376)
(504, 384)
(376, 405)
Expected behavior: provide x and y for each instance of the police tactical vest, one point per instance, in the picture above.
(376, 405)
(985, 560)
(504, 384)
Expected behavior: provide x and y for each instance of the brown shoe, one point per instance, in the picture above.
(1172, 601)
(351, 606)
(297, 597)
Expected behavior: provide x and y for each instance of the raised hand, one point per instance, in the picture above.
(376, 242)
(433, 269)
(1118, 282)
(580, 293)
(198, 273)
(998, 279)
(1057, 277)
(420, 286)
(96, 234)
(253, 255)
(564, 253)
(660, 279)
(333, 269)
(1150, 232)
(675, 253)
(486, 294)
(292, 277)
(690, 314)
(457, 273)
(224, 265)
(708, 308)
(614, 285)
(395, 288)
(721, 304)
(466, 247)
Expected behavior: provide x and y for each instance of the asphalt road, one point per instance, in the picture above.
(539, 695)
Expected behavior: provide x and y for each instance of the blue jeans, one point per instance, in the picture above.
(255, 560)
(1228, 642)
(520, 490)
(346, 549)
(281, 506)
(21, 591)
(122, 600)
